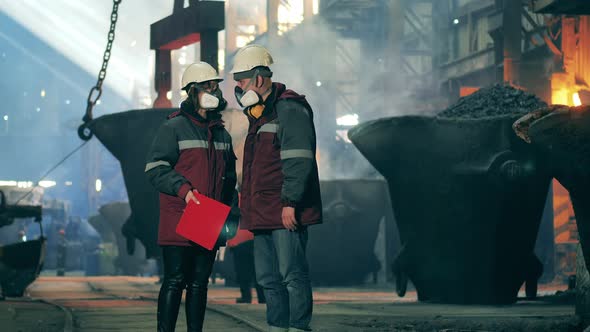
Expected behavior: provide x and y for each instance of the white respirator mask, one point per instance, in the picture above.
(208, 101)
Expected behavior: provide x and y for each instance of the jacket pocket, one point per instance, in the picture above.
(267, 208)
(266, 171)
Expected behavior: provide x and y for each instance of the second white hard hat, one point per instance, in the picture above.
(250, 57)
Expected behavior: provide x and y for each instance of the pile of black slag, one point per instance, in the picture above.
(498, 100)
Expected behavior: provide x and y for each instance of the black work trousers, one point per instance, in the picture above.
(184, 267)
(244, 269)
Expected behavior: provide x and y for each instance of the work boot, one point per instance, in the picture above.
(246, 294)
(196, 304)
(260, 294)
(244, 300)
(168, 304)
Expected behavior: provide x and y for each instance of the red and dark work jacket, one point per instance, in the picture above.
(188, 153)
(280, 167)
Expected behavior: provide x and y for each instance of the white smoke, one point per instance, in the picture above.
(340, 76)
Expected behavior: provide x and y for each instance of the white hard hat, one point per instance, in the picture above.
(199, 72)
(250, 57)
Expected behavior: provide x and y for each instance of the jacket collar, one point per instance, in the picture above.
(279, 92)
(186, 110)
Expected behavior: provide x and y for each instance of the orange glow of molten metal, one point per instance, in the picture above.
(577, 100)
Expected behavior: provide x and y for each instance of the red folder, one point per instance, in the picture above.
(202, 223)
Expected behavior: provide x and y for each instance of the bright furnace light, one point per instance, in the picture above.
(348, 120)
(318, 83)
(577, 99)
(456, 21)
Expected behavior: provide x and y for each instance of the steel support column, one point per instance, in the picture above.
(307, 9)
(272, 14)
(512, 25)
(162, 78)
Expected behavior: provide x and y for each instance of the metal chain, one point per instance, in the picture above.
(96, 91)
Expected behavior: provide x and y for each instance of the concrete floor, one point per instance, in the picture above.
(128, 304)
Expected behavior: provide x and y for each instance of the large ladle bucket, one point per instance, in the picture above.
(564, 135)
(128, 136)
(468, 197)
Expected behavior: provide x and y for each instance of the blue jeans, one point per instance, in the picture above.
(282, 271)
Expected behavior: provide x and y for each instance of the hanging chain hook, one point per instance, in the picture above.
(84, 131)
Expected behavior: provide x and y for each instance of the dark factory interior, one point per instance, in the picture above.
(449, 144)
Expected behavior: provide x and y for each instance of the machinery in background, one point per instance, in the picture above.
(20, 262)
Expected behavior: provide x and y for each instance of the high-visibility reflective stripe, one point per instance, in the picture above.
(192, 144)
(155, 164)
(221, 146)
(269, 128)
(196, 144)
(297, 153)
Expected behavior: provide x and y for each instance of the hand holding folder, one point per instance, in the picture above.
(202, 223)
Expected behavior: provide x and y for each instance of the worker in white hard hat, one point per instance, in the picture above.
(201, 83)
(191, 154)
(280, 193)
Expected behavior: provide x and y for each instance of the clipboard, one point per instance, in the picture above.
(202, 223)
